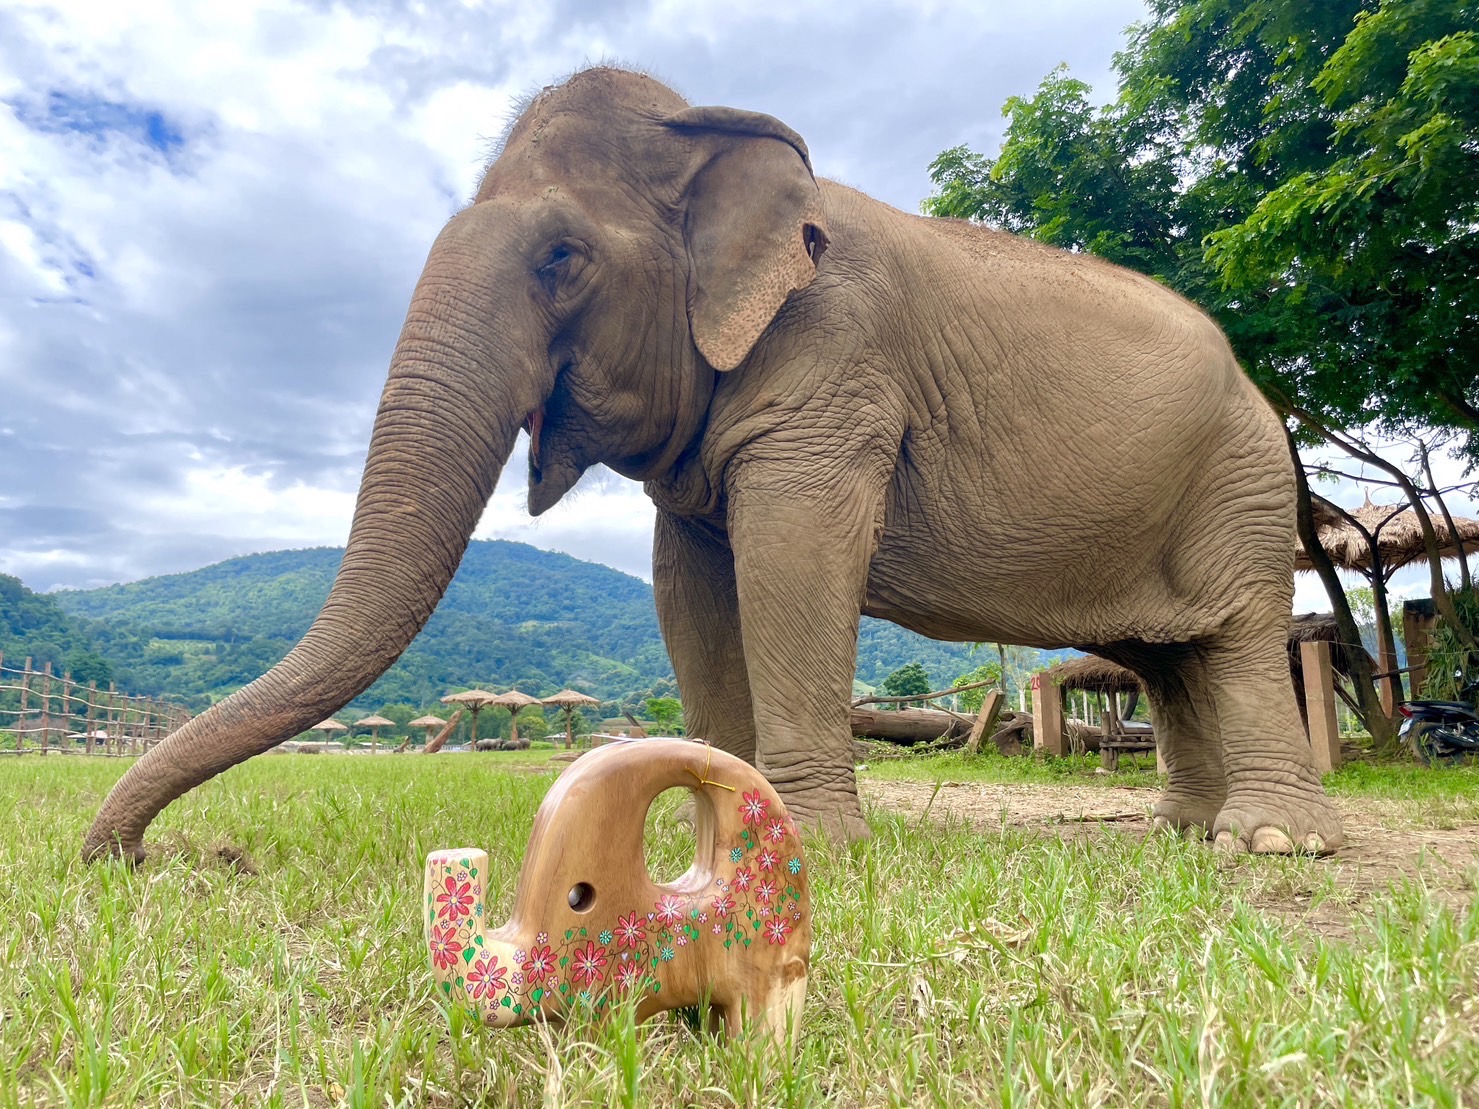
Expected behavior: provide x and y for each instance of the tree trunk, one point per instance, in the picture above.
(907, 726)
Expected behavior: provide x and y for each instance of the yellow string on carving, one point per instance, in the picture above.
(704, 779)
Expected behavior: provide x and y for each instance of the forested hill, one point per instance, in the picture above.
(513, 616)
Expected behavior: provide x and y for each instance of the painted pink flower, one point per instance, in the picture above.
(753, 807)
(718, 929)
(485, 977)
(682, 939)
(777, 928)
(669, 909)
(630, 930)
(588, 966)
(541, 961)
(768, 859)
(446, 948)
(743, 877)
(723, 905)
(628, 975)
(776, 831)
(456, 899)
(765, 891)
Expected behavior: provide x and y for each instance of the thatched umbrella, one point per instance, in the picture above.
(329, 727)
(374, 723)
(570, 700)
(429, 722)
(476, 701)
(1399, 537)
(1094, 674)
(515, 702)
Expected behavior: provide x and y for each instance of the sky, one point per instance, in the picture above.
(212, 217)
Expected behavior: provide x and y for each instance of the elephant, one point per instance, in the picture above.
(590, 926)
(837, 408)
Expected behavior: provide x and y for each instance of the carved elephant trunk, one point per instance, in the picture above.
(590, 927)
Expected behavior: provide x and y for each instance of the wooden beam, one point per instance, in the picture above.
(986, 719)
(1047, 716)
(1319, 685)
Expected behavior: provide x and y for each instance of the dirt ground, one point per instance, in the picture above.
(1384, 844)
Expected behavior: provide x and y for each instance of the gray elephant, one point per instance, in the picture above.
(837, 408)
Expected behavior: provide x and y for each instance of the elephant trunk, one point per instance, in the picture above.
(448, 419)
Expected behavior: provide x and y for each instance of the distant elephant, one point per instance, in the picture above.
(837, 408)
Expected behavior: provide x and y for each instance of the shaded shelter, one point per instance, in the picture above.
(475, 701)
(516, 703)
(329, 727)
(570, 700)
(428, 722)
(374, 723)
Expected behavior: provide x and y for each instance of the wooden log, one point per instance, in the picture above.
(907, 726)
(985, 720)
(436, 743)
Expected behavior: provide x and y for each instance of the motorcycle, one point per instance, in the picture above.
(1442, 731)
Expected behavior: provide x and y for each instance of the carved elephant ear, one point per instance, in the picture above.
(753, 225)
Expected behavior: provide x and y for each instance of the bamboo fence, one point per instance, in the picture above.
(52, 713)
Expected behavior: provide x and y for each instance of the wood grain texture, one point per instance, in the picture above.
(591, 928)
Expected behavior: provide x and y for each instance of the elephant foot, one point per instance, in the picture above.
(1192, 817)
(838, 816)
(1275, 824)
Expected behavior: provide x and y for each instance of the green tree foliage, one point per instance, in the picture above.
(1303, 169)
(907, 681)
(667, 714)
(970, 700)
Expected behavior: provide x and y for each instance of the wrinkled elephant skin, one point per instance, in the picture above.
(838, 408)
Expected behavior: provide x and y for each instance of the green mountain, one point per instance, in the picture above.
(513, 616)
(36, 626)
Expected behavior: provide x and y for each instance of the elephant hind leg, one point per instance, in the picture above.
(1184, 714)
(1275, 803)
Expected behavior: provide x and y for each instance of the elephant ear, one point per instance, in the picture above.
(753, 225)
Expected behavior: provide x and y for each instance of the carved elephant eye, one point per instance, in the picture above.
(582, 897)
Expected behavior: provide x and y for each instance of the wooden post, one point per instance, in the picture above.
(66, 743)
(46, 709)
(92, 716)
(1319, 686)
(1047, 715)
(1418, 620)
(985, 720)
(1390, 687)
(111, 728)
(20, 724)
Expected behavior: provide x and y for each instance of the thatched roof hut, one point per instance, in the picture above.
(1094, 674)
(329, 725)
(476, 700)
(570, 700)
(515, 702)
(1399, 537)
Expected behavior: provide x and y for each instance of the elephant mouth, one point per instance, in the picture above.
(553, 471)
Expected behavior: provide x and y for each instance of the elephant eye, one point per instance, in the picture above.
(554, 267)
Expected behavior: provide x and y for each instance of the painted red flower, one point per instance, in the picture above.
(456, 899)
(753, 807)
(765, 891)
(446, 948)
(776, 831)
(485, 977)
(777, 928)
(743, 877)
(768, 859)
(588, 965)
(723, 905)
(628, 976)
(669, 909)
(541, 961)
(630, 930)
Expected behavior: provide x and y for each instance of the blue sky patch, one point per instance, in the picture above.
(83, 114)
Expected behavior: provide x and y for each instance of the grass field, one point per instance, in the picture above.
(989, 962)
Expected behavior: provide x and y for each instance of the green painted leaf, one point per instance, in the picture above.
(472, 872)
(564, 961)
(506, 1002)
(447, 988)
(536, 993)
(468, 954)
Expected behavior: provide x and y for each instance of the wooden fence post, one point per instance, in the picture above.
(1047, 715)
(46, 709)
(1319, 695)
(66, 743)
(112, 726)
(20, 733)
(92, 715)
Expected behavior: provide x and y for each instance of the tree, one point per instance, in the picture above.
(907, 681)
(1305, 171)
(970, 700)
(667, 714)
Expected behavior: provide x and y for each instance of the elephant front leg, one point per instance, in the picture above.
(801, 564)
(698, 610)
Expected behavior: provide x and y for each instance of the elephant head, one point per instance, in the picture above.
(589, 924)
(622, 250)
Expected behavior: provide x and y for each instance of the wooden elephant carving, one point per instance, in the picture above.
(590, 926)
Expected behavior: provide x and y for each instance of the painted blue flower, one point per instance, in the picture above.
(666, 954)
(795, 866)
(606, 936)
(736, 854)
